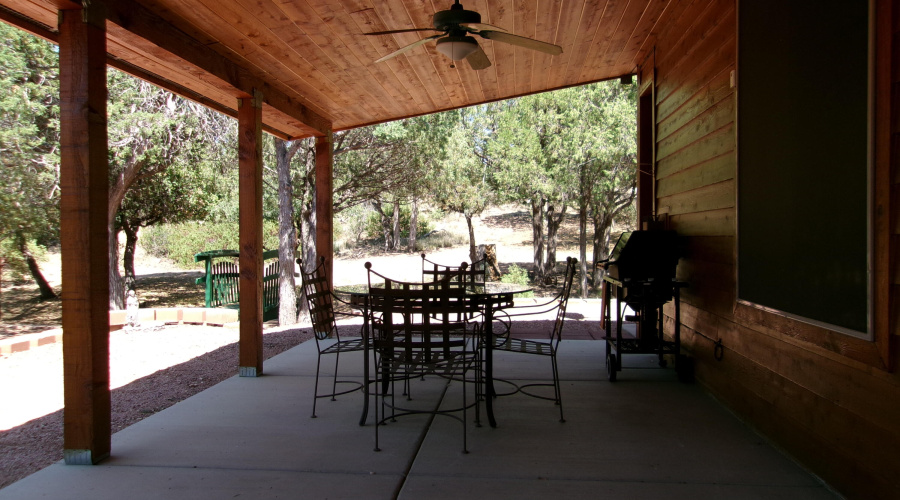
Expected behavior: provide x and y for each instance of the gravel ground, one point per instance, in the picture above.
(151, 368)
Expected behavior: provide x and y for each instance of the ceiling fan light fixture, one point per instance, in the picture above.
(457, 48)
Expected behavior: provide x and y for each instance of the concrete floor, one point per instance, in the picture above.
(644, 436)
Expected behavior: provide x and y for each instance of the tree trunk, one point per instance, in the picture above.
(395, 226)
(308, 238)
(385, 225)
(116, 283)
(602, 225)
(582, 248)
(537, 234)
(553, 224)
(287, 236)
(46, 290)
(308, 249)
(472, 250)
(131, 238)
(413, 225)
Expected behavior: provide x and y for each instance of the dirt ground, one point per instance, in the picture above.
(161, 283)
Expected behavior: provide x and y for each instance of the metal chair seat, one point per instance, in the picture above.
(526, 346)
(354, 344)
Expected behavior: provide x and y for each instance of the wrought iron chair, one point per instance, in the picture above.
(463, 275)
(321, 302)
(420, 329)
(549, 347)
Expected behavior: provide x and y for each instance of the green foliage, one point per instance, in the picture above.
(462, 175)
(518, 276)
(29, 141)
(179, 242)
(373, 223)
(164, 148)
(350, 226)
(14, 266)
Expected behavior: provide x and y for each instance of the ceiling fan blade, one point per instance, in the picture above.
(472, 27)
(391, 32)
(409, 47)
(521, 41)
(478, 59)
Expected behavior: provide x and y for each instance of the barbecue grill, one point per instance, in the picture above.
(640, 274)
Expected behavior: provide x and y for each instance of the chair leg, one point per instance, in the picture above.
(377, 416)
(316, 387)
(465, 419)
(556, 389)
(479, 378)
(337, 358)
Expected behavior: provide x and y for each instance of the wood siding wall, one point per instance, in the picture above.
(837, 414)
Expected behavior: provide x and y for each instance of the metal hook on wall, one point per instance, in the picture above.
(719, 350)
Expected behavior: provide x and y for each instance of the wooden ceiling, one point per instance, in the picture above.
(314, 66)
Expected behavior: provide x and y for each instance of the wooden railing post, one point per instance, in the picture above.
(84, 240)
(251, 246)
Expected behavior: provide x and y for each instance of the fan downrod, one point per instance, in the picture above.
(447, 20)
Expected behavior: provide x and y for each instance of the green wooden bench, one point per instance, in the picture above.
(222, 280)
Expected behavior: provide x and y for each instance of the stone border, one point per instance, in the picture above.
(168, 316)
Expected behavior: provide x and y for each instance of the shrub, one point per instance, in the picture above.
(373, 223)
(179, 242)
(517, 275)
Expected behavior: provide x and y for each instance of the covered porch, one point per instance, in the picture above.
(302, 69)
(644, 436)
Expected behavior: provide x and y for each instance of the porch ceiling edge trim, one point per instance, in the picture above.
(488, 101)
(25, 23)
(141, 22)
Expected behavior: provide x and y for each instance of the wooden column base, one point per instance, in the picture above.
(82, 457)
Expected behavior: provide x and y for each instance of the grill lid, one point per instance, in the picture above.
(644, 255)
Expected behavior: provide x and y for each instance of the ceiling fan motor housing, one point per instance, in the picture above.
(446, 20)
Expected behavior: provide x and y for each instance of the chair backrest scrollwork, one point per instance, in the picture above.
(320, 301)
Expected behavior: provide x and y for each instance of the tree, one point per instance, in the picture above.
(604, 126)
(460, 180)
(29, 142)
(530, 151)
(287, 234)
(614, 180)
(369, 164)
(570, 146)
(150, 202)
(151, 130)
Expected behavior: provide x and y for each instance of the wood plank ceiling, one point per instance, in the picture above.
(314, 52)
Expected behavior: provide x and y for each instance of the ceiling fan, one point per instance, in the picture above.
(455, 26)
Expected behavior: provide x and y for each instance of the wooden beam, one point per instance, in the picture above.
(325, 203)
(185, 92)
(84, 235)
(251, 241)
(25, 23)
(142, 22)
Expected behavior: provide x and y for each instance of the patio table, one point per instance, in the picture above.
(491, 297)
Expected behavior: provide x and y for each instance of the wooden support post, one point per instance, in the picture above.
(84, 182)
(325, 203)
(251, 241)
